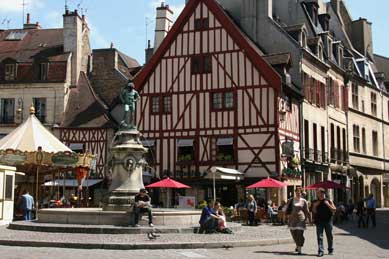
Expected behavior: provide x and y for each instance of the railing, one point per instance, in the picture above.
(315, 155)
(339, 156)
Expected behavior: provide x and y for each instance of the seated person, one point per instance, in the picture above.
(272, 214)
(142, 204)
(209, 219)
(222, 222)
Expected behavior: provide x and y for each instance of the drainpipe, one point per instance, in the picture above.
(382, 198)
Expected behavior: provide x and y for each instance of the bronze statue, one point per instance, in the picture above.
(129, 96)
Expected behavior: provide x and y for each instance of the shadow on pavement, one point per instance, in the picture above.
(282, 253)
(377, 236)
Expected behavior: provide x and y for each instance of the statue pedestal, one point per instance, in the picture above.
(127, 166)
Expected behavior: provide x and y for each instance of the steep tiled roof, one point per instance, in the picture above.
(84, 108)
(32, 43)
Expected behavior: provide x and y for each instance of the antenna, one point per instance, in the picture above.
(23, 6)
(66, 6)
(148, 22)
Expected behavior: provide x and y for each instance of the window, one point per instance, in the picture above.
(306, 138)
(10, 72)
(225, 149)
(338, 147)
(323, 144)
(354, 90)
(345, 158)
(43, 69)
(304, 39)
(320, 52)
(9, 179)
(322, 95)
(344, 92)
(363, 140)
(155, 104)
(201, 64)
(332, 138)
(363, 105)
(201, 24)
(40, 108)
(315, 140)
(150, 155)
(356, 138)
(164, 101)
(167, 104)
(373, 97)
(375, 143)
(7, 110)
(331, 99)
(185, 150)
(223, 100)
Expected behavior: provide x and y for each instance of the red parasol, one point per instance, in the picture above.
(167, 183)
(325, 185)
(267, 183)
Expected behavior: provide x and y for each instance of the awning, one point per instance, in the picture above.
(225, 141)
(72, 182)
(148, 143)
(222, 173)
(185, 143)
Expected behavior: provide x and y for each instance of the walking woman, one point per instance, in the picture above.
(251, 209)
(297, 211)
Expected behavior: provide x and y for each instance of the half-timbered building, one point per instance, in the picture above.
(209, 96)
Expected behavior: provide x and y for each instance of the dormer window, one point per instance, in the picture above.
(304, 39)
(330, 49)
(10, 72)
(43, 69)
(320, 51)
(340, 61)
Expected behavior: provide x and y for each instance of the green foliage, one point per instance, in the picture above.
(201, 205)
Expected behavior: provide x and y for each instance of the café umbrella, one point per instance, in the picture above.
(325, 185)
(169, 184)
(267, 183)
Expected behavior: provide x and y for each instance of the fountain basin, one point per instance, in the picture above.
(96, 216)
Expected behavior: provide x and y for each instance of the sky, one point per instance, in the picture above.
(123, 22)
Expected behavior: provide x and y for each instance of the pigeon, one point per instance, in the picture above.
(151, 236)
(154, 235)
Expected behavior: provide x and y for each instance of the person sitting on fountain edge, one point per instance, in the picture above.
(142, 205)
(209, 219)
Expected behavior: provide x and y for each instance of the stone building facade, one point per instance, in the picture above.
(40, 66)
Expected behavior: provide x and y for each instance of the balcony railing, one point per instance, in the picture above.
(339, 156)
(7, 120)
(316, 155)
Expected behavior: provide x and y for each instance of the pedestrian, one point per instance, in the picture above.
(251, 209)
(27, 205)
(371, 206)
(361, 210)
(323, 210)
(142, 205)
(297, 211)
(209, 219)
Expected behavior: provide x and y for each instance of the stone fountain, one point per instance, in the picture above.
(127, 166)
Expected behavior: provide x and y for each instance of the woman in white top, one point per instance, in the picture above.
(297, 210)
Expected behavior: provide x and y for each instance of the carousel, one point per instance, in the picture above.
(36, 152)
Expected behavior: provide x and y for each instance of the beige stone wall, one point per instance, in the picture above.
(53, 92)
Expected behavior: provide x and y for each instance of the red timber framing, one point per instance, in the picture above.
(237, 66)
(94, 141)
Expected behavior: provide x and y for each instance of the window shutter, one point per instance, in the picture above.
(318, 93)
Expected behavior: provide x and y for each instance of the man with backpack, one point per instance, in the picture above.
(323, 210)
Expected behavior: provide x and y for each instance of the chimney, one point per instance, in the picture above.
(148, 52)
(73, 26)
(163, 24)
(362, 39)
(254, 12)
(30, 26)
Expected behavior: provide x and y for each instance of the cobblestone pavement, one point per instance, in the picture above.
(350, 242)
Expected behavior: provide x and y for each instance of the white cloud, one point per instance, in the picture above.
(16, 5)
